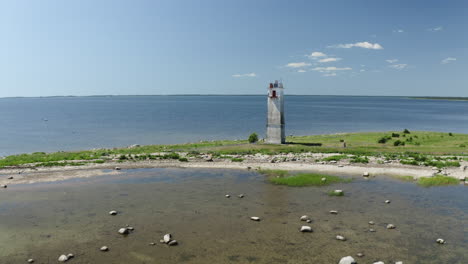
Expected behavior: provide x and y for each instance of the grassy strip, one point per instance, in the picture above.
(335, 158)
(300, 179)
(358, 144)
(438, 180)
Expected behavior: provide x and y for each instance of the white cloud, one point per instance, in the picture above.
(398, 31)
(392, 61)
(329, 60)
(245, 75)
(398, 66)
(448, 60)
(330, 69)
(301, 71)
(439, 28)
(330, 74)
(297, 64)
(364, 45)
(362, 70)
(317, 54)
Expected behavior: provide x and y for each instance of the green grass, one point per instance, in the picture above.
(335, 157)
(300, 179)
(237, 159)
(359, 144)
(182, 159)
(438, 180)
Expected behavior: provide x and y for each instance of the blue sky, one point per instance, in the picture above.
(233, 47)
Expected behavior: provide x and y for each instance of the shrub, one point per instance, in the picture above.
(406, 131)
(450, 134)
(462, 146)
(335, 157)
(383, 139)
(253, 138)
(182, 159)
(395, 135)
(358, 159)
(398, 143)
(237, 159)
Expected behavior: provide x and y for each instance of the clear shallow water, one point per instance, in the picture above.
(90, 122)
(45, 220)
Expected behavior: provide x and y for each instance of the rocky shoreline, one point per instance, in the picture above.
(292, 162)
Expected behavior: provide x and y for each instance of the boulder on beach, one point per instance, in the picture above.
(306, 229)
(104, 248)
(304, 218)
(341, 238)
(63, 258)
(113, 212)
(167, 238)
(255, 218)
(123, 231)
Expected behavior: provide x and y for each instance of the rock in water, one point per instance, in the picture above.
(3, 186)
(333, 212)
(339, 192)
(227, 195)
(241, 196)
(440, 241)
(306, 229)
(70, 255)
(113, 212)
(399, 262)
(360, 255)
(379, 262)
(387, 201)
(117, 168)
(365, 174)
(10, 178)
(390, 226)
(347, 260)
(255, 218)
(63, 258)
(308, 221)
(167, 238)
(324, 179)
(123, 231)
(304, 218)
(30, 260)
(371, 223)
(104, 248)
(341, 238)
(172, 243)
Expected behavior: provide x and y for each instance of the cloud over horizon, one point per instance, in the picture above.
(329, 60)
(364, 45)
(448, 60)
(297, 64)
(252, 74)
(400, 66)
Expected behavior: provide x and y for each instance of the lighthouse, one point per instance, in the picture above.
(275, 119)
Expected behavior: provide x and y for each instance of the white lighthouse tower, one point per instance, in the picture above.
(275, 119)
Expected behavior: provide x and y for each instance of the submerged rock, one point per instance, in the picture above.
(440, 241)
(324, 179)
(379, 262)
(172, 243)
(306, 229)
(304, 218)
(390, 226)
(360, 254)
(117, 168)
(372, 230)
(399, 262)
(113, 212)
(10, 178)
(167, 238)
(308, 221)
(104, 248)
(347, 260)
(227, 195)
(255, 218)
(387, 201)
(152, 243)
(341, 238)
(63, 258)
(339, 192)
(333, 212)
(70, 255)
(30, 260)
(240, 195)
(3, 186)
(123, 231)
(371, 223)
(365, 174)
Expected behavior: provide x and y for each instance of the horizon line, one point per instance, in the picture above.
(347, 95)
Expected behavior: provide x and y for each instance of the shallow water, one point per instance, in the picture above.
(43, 221)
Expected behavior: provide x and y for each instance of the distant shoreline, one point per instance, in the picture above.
(441, 98)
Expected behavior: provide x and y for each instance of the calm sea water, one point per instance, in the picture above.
(73, 123)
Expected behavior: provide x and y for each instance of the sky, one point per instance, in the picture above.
(114, 47)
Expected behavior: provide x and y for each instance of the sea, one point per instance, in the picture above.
(47, 124)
